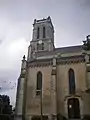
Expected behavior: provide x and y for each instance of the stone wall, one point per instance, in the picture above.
(33, 101)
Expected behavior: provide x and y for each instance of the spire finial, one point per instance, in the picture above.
(34, 21)
(49, 17)
(24, 57)
(88, 37)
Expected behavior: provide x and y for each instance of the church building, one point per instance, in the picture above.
(54, 83)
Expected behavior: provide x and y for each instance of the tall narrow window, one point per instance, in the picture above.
(40, 46)
(71, 81)
(39, 83)
(37, 46)
(38, 32)
(44, 32)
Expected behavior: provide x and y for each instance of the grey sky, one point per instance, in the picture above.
(71, 19)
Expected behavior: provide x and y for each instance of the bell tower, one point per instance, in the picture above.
(43, 36)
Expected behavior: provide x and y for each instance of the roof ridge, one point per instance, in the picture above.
(70, 46)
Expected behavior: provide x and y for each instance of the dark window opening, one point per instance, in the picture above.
(38, 32)
(40, 46)
(44, 32)
(39, 83)
(71, 82)
(37, 46)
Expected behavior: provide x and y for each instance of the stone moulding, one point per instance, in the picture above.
(22, 75)
(44, 63)
(54, 72)
(72, 96)
(88, 68)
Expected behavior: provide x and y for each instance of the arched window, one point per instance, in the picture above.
(37, 46)
(39, 83)
(44, 32)
(40, 46)
(71, 81)
(38, 32)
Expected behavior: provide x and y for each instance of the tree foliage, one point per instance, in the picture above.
(86, 44)
(5, 108)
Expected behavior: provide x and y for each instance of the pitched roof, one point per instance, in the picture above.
(48, 55)
(69, 49)
(64, 50)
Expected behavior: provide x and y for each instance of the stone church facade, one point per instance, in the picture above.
(54, 83)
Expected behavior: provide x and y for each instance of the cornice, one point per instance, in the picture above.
(60, 61)
(69, 62)
(39, 64)
(73, 96)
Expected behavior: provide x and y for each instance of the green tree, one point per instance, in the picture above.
(86, 44)
(5, 108)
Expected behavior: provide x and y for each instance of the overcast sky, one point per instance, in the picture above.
(71, 19)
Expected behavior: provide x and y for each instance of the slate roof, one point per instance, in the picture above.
(48, 55)
(69, 49)
(64, 50)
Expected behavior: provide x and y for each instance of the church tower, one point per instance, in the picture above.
(54, 83)
(42, 41)
(43, 37)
